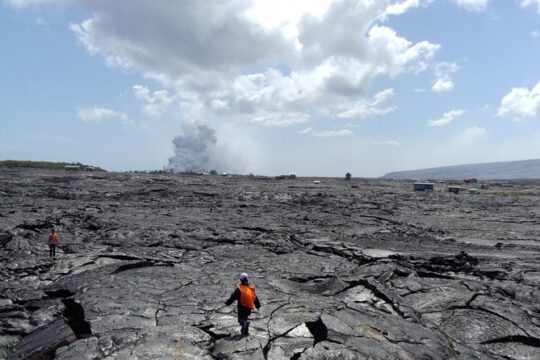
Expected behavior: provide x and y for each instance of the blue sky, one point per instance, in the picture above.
(319, 87)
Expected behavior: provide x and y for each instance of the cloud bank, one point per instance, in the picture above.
(320, 58)
(255, 62)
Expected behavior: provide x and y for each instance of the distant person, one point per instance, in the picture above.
(53, 242)
(247, 301)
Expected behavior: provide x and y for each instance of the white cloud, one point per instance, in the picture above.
(248, 60)
(26, 3)
(525, 3)
(535, 34)
(442, 85)
(285, 15)
(333, 133)
(521, 103)
(400, 7)
(447, 118)
(326, 133)
(177, 40)
(270, 118)
(473, 5)
(443, 77)
(392, 143)
(155, 104)
(97, 115)
(364, 108)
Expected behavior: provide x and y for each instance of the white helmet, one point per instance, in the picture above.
(244, 277)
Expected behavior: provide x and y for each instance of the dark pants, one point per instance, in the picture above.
(244, 322)
(52, 250)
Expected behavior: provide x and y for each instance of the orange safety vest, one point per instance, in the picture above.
(54, 238)
(247, 296)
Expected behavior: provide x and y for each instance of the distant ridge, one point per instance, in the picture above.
(523, 169)
(49, 165)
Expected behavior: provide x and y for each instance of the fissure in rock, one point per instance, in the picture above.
(74, 315)
(525, 340)
(318, 329)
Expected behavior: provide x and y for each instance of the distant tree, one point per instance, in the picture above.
(348, 176)
(213, 172)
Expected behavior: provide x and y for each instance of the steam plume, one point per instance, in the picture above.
(194, 149)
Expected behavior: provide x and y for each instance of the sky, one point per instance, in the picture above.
(312, 87)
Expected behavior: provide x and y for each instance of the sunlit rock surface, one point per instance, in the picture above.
(344, 270)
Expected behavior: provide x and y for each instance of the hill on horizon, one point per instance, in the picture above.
(48, 165)
(523, 169)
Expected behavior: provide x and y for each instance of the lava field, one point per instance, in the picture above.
(360, 269)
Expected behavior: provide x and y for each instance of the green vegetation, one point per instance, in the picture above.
(17, 164)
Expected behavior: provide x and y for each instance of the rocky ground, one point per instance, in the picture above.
(344, 270)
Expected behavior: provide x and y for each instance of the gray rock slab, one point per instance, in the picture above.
(44, 341)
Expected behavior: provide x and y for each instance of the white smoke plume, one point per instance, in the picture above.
(193, 149)
(197, 149)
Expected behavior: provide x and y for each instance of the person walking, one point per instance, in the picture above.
(53, 242)
(247, 301)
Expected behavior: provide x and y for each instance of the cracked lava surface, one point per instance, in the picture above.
(366, 269)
